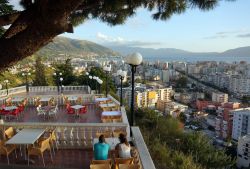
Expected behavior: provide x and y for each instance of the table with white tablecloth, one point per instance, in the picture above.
(111, 113)
(107, 105)
(102, 99)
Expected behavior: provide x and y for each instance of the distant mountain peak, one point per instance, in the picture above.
(74, 48)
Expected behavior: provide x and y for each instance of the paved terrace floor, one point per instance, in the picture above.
(68, 159)
(93, 115)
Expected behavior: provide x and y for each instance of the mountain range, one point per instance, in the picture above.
(82, 48)
(167, 52)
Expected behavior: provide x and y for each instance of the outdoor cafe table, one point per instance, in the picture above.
(26, 137)
(111, 113)
(102, 99)
(77, 108)
(107, 105)
(10, 108)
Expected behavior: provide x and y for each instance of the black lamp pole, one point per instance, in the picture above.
(6, 86)
(27, 83)
(106, 83)
(121, 78)
(133, 70)
(99, 88)
(58, 86)
(96, 85)
(61, 86)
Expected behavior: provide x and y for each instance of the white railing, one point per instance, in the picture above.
(55, 88)
(12, 91)
(71, 135)
(145, 158)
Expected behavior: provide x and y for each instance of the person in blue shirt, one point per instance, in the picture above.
(101, 149)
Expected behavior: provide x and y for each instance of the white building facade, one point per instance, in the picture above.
(241, 123)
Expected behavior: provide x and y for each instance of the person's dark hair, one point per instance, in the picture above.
(123, 139)
(101, 139)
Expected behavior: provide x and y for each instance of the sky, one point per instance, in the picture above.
(225, 27)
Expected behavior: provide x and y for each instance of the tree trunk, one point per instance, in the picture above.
(47, 20)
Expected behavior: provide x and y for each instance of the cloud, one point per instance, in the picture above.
(216, 36)
(225, 34)
(119, 41)
(244, 35)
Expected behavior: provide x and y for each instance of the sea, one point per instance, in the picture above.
(193, 59)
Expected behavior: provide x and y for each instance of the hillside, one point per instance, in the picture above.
(72, 47)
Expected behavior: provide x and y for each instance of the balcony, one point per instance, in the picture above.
(75, 137)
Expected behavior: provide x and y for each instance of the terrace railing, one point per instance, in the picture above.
(71, 135)
(12, 91)
(44, 89)
(145, 158)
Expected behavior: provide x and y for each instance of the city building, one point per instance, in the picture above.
(224, 119)
(171, 108)
(241, 123)
(219, 97)
(165, 93)
(202, 105)
(243, 152)
(165, 76)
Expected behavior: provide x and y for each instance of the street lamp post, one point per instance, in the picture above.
(26, 80)
(95, 78)
(6, 86)
(58, 81)
(107, 69)
(87, 74)
(133, 60)
(100, 83)
(61, 79)
(122, 74)
(90, 77)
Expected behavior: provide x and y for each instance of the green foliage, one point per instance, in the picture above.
(181, 82)
(67, 73)
(203, 151)
(116, 12)
(167, 158)
(171, 148)
(96, 71)
(40, 78)
(182, 117)
(14, 79)
(5, 8)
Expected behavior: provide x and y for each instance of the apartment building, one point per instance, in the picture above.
(243, 152)
(239, 85)
(165, 93)
(224, 119)
(171, 108)
(219, 97)
(241, 123)
(149, 97)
